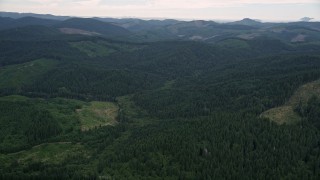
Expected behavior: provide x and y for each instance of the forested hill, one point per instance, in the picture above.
(74, 25)
(148, 105)
(93, 25)
(138, 30)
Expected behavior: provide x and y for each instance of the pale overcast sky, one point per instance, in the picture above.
(267, 10)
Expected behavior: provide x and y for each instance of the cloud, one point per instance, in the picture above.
(191, 9)
(93, 3)
(123, 2)
(222, 3)
(188, 4)
(162, 4)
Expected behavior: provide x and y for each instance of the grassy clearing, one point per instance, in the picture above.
(14, 128)
(69, 115)
(92, 49)
(72, 113)
(103, 48)
(281, 115)
(168, 85)
(95, 114)
(285, 113)
(305, 92)
(53, 153)
(22, 74)
(47, 153)
(14, 98)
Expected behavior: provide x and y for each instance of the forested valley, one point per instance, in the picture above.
(147, 105)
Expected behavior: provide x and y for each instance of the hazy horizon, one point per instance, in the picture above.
(219, 10)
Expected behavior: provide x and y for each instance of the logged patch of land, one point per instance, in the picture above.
(97, 114)
(47, 153)
(285, 113)
(282, 114)
(103, 48)
(26, 73)
(305, 92)
(299, 38)
(77, 31)
(92, 49)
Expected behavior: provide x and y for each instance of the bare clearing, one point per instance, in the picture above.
(285, 114)
(77, 31)
(97, 114)
(53, 153)
(299, 38)
(281, 115)
(248, 36)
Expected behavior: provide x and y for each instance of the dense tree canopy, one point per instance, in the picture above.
(187, 110)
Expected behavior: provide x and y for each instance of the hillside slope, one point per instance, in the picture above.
(8, 23)
(287, 113)
(88, 107)
(93, 25)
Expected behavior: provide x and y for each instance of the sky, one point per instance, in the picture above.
(265, 10)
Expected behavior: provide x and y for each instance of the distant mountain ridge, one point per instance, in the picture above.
(16, 15)
(7, 23)
(28, 33)
(248, 22)
(139, 30)
(92, 26)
